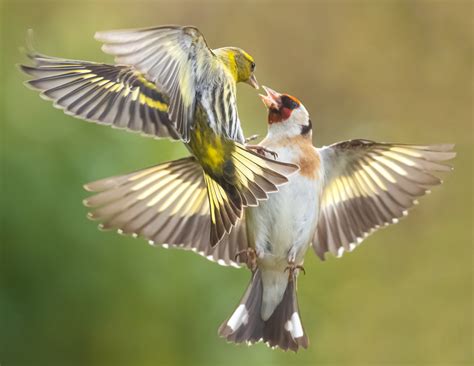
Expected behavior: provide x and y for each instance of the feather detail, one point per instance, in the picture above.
(166, 204)
(368, 185)
(114, 95)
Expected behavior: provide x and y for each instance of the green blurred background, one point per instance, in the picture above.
(383, 70)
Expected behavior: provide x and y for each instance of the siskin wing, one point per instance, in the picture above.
(176, 58)
(115, 95)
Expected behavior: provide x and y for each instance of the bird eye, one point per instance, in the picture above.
(252, 66)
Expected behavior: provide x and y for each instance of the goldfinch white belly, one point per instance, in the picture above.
(281, 228)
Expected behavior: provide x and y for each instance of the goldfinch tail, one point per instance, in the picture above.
(248, 178)
(283, 329)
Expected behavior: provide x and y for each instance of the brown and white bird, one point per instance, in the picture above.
(340, 195)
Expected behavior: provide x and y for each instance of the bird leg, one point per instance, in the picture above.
(262, 150)
(251, 138)
(249, 257)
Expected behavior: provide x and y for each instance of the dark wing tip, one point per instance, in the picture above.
(28, 70)
(25, 68)
(224, 330)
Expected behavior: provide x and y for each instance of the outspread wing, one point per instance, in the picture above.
(168, 205)
(114, 95)
(368, 185)
(173, 57)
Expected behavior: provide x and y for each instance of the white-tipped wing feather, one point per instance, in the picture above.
(368, 185)
(166, 204)
(114, 95)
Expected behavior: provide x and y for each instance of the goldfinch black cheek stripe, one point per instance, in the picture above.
(305, 129)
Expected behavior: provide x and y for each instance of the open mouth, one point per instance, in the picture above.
(272, 100)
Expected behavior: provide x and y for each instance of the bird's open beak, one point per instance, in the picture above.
(272, 100)
(252, 81)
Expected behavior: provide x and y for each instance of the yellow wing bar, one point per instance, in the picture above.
(115, 95)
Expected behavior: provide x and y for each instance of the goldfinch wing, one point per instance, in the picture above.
(166, 204)
(368, 185)
(118, 96)
(173, 57)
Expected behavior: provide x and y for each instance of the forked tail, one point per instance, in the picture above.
(283, 329)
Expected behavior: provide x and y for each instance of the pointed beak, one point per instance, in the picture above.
(252, 81)
(272, 100)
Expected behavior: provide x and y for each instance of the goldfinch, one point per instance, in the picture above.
(341, 194)
(167, 83)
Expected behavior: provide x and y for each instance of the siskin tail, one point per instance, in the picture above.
(283, 329)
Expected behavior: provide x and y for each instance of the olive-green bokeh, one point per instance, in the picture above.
(384, 70)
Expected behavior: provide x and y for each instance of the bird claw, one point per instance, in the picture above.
(263, 150)
(250, 258)
(292, 267)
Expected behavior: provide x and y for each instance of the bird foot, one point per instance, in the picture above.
(249, 257)
(262, 150)
(292, 267)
